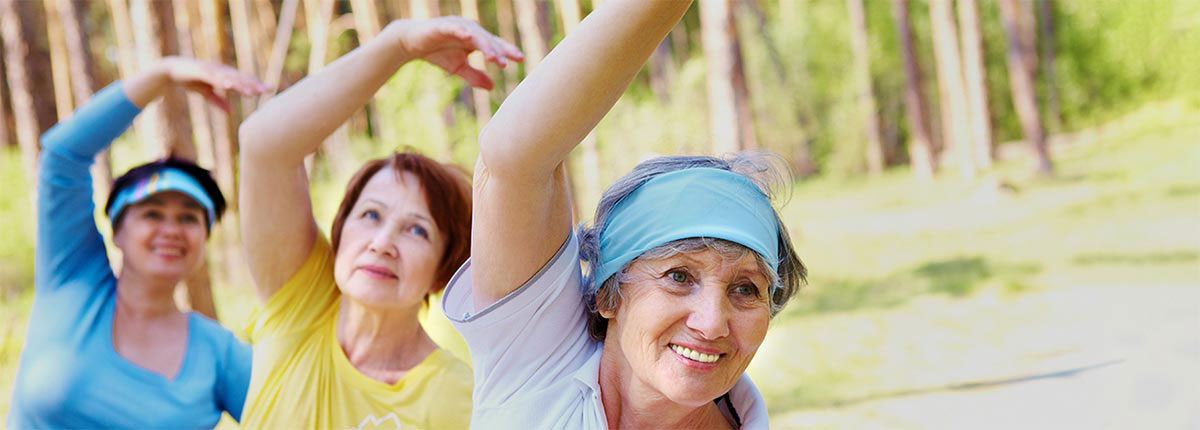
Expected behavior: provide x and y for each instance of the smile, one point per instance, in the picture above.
(694, 355)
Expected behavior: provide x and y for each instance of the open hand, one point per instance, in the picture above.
(446, 42)
(213, 81)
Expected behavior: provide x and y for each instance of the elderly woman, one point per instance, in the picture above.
(688, 260)
(337, 342)
(111, 350)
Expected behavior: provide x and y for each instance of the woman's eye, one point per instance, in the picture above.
(678, 276)
(747, 290)
(371, 214)
(189, 219)
(419, 231)
(152, 215)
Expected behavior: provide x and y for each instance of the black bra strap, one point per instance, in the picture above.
(737, 420)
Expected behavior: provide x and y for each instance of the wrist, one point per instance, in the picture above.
(394, 39)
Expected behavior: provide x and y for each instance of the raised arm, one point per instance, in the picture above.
(68, 243)
(520, 190)
(278, 230)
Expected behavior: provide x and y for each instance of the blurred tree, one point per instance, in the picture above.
(24, 61)
(920, 144)
(1021, 80)
(422, 9)
(975, 75)
(6, 138)
(1046, 17)
(279, 46)
(59, 70)
(865, 96)
(244, 47)
(730, 119)
(956, 133)
(535, 37)
(482, 103)
(507, 23)
(84, 79)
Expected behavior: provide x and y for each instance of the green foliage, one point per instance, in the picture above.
(16, 250)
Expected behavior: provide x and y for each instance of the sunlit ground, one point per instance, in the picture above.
(1006, 302)
(1012, 302)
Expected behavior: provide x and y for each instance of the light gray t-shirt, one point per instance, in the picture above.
(535, 366)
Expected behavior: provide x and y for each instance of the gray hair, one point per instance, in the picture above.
(764, 169)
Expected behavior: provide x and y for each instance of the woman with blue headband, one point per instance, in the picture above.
(687, 260)
(112, 350)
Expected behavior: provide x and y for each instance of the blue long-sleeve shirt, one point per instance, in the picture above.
(70, 375)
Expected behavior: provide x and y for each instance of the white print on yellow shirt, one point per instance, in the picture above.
(372, 423)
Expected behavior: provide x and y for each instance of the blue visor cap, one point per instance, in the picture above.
(696, 202)
(167, 179)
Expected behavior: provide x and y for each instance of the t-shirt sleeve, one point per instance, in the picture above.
(529, 339)
(310, 295)
(234, 380)
(69, 246)
(453, 409)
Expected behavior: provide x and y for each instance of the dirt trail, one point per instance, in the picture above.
(1130, 359)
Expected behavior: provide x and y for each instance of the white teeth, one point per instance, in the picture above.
(695, 356)
(174, 252)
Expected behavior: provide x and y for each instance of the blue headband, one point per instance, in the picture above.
(167, 179)
(696, 202)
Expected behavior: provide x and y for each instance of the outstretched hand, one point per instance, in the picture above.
(446, 42)
(211, 80)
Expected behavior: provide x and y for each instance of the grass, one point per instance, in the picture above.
(915, 286)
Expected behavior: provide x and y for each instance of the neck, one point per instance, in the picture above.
(144, 298)
(629, 404)
(381, 339)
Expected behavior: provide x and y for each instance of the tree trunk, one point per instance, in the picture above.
(534, 37)
(1021, 81)
(955, 131)
(868, 113)
(263, 27)
(84, 81)
(507, 22)
(23, 63)
(479, 97)
(243, 44)
(60, 70)
(1048, 75)
(728, 99)
(976, 81)
(920, 143)
(123, 29)
(279, 48)
(6, 138)
(424, 9)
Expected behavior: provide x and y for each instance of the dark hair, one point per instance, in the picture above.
(136, 174)
(447, 192)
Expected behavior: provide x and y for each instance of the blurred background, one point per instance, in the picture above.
(998, 200)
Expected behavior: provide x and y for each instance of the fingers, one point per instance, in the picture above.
(475, 77)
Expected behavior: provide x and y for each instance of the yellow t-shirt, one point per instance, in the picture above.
(303, 380)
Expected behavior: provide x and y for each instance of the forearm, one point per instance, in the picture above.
(575, 86)
(293, 124)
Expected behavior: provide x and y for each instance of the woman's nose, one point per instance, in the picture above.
(710, 315)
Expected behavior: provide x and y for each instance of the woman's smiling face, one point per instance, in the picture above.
(689, 324)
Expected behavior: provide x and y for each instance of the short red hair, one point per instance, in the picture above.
(447, 192)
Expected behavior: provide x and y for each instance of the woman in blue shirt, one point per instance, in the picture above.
(111, 350)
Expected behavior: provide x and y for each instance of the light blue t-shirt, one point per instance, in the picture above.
(70, 376)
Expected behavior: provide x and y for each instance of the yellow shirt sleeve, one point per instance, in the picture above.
(305, 300)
